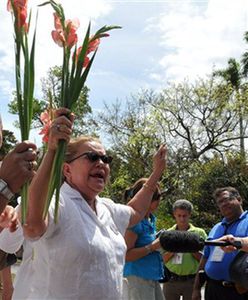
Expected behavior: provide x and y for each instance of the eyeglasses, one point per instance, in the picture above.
(223, 200)
(93, 157)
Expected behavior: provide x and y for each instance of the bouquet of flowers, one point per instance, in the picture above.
(76, 66)
(24, 73)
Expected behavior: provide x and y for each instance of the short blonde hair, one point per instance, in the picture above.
(75, 143)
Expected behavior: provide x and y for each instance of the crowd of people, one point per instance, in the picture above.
(99, 249)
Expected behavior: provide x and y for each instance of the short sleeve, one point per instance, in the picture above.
(120, 213)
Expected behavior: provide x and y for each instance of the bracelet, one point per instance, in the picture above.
(148, 249)
(149, 187)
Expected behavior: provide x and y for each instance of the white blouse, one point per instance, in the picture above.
(82, 256)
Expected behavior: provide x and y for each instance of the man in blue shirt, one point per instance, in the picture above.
(215, 261)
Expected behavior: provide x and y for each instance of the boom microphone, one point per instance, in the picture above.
(184, 241)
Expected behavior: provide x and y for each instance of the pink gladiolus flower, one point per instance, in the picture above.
(46, 120)
(65, 37)
(58, 37)
(21, 10)
(92, 46)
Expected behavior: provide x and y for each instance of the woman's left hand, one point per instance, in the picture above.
(61, 128)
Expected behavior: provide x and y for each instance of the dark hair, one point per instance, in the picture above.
(183, 204)
(130, 193)
(233, 193)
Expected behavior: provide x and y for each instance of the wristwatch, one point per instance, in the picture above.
(5, 191)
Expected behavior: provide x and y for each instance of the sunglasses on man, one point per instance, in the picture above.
(93, 157)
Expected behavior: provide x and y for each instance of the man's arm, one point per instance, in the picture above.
(17, 168)
(232, 239)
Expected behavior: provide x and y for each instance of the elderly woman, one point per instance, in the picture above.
(82, 255)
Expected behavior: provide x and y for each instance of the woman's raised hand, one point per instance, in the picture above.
(160, 161)
(61, 128)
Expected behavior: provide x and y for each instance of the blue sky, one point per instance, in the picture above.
(160, 41)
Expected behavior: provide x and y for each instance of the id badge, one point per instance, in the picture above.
(177, 259)
(217, 254)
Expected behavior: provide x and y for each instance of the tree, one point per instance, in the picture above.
(203, 178)
(244, 59)
(9, 142)
(198, 122)
(133, 140)
(199, 118)
(131, 134)
(38, 107)
(233, 75)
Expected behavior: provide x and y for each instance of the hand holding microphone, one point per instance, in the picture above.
(184, 241)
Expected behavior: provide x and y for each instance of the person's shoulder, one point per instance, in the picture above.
(200, 231)
(110, 204)
(215, 229)
(217, 225)
(173, 227)
(245, 214)
(196, 228)
(106, 200)
(137, 228)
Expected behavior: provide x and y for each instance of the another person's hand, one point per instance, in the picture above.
(61, 128)
(160, 160)
(229, 238)
(155, 245)
(18, 165)
(9, 218)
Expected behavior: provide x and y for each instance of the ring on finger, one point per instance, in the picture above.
(62, 127)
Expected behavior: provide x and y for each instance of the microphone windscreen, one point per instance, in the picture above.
(181, 241)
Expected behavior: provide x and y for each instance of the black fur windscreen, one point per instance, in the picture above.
(181, 241)
(185, 241)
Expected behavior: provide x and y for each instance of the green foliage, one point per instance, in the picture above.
(9, 142)
(209, 175)
(164, 218)
(199, 123)
(38, 107)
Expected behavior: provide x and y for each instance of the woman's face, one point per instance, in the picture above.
(88, 177)
(154, 205)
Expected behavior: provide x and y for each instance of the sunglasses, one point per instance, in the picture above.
(93, 157)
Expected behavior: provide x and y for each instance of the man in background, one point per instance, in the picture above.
(182, 266)
(215, 262)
